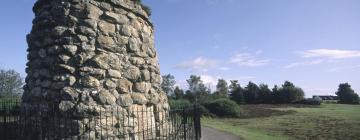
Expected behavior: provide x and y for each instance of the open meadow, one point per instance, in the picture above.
(277, 122)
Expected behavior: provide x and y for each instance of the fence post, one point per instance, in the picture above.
(184, 123)
(197, 125)
(3, 114)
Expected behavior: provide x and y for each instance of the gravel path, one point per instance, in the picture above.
(212, 134)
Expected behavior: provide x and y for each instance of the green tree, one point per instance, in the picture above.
(168, 84)
(275, 95)
(236, 92)
(197, 89)
(289, 93)
(265, 94)
(347, 95)
(222, 88)
(251, 93)
(178, 93)
(10, 83)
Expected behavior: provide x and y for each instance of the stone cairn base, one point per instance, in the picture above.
(139, 123)
(89, 60)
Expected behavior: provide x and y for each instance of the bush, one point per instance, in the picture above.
(204, 111)
(223, 108)
(178, 104)
(310, 102)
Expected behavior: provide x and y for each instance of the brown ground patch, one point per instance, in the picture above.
(259, 111)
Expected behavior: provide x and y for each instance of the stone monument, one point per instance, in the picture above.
(91, 56)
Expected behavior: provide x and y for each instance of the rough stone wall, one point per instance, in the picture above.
(92, 55)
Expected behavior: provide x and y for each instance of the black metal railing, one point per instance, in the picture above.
(40, 122)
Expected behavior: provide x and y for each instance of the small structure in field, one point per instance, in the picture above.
(326, 97)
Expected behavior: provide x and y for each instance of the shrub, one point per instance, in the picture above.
(310, 102)
(178, 104)
(204, 111)
(224, 108)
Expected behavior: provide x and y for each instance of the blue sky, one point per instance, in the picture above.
(313, 43)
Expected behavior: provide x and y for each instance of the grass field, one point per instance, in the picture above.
(281, 122)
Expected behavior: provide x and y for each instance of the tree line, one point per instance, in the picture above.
(287, 93)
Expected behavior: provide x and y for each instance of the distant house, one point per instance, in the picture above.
(326, 97)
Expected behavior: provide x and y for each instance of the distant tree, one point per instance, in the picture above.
(168, 84)
(10, 83)
(265, 94)
(288, 84)
(289, 93)
(194, 83)
(276, 95)
(251, 93)
(347, 95)
(178, 93)
(197, 89)
(222, 88)
(236, 92)
(356, 99)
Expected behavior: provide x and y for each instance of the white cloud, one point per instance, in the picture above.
(209, 80)
(332, 54)
(248, 60)
(305, 63)
(200, 63)
(324, 56)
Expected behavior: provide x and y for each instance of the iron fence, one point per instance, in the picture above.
(46, 123)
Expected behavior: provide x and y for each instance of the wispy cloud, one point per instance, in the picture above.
(332, 54)
(305, 63)
(319, 56)
(248, 60)
(199, 63)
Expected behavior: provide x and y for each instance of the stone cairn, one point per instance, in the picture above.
(95, 62)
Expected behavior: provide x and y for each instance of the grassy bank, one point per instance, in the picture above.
(276, 122)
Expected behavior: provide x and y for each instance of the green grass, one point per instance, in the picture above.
(326, 122)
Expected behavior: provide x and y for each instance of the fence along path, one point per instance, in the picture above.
(17, 122)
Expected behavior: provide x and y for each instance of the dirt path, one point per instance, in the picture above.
(212, 134)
